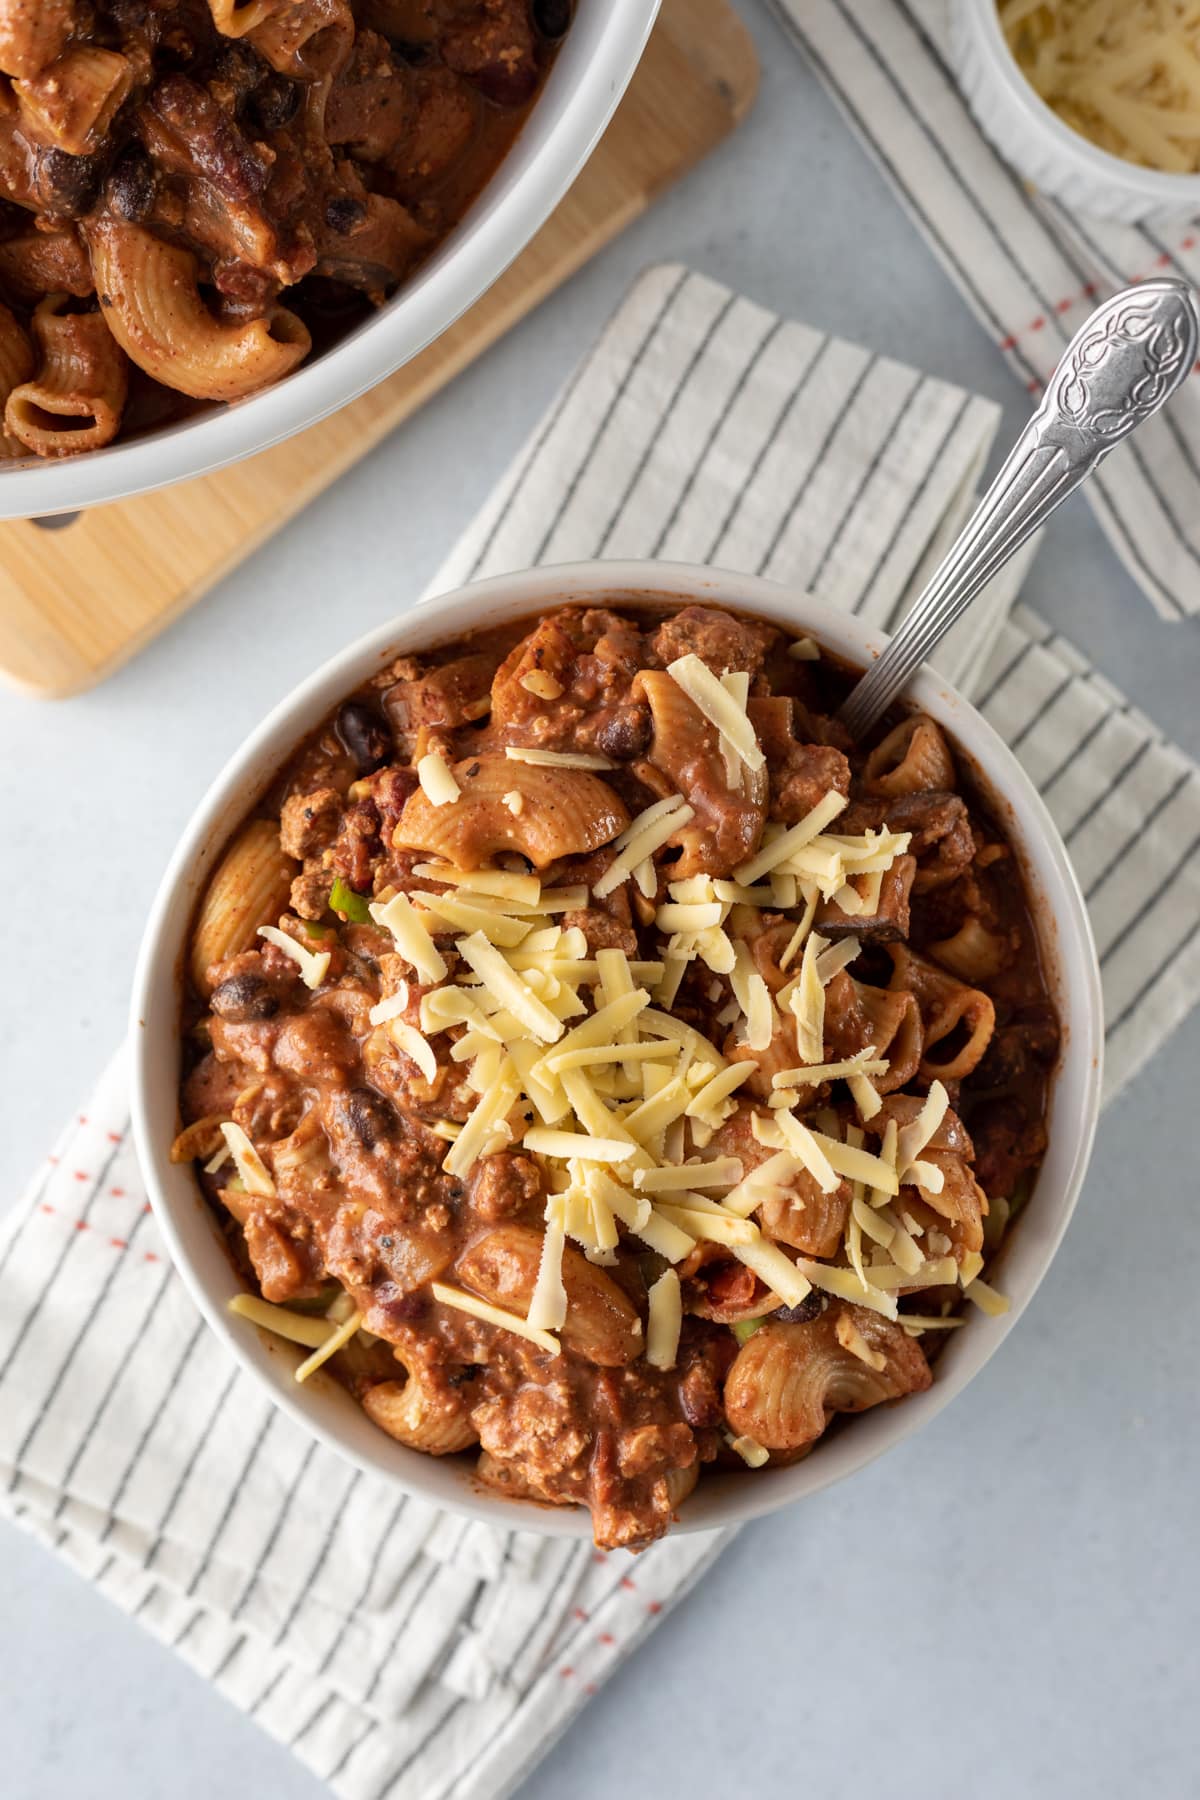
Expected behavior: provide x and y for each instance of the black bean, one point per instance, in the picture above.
(369, 1115)
(364, 734)
(344, 212)
(237, 66)
(244, 997)
(811, 1307)
(624, 733)
(67, 185)
(552, 17)
(131, 184)
(275, 102)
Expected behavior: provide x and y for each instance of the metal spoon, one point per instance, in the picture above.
(1119, 368)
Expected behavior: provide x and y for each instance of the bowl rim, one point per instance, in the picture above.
(1164, 186)
(183, 1216)
(493, 232)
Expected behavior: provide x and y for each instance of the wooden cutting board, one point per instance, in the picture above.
(79, 594)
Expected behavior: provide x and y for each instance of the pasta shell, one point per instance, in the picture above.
(789, 1379)
(685, 750)
(914, 758)
(601, 1323)
(974, 953)
(421, 1412)
(960, 1200)
(802, 1216)
(565, 812)
(889, 1018)
(960, 1018)
(250, 888)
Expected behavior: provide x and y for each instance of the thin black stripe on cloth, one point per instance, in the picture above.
(692, 388)
(884, 67)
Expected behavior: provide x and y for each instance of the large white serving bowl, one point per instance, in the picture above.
(591, 72)
(184, 1217)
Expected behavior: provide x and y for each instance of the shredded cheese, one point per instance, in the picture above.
(543, 1140)
(503, 884)
(313, 964)
(413, 942)
(779, 1272)
(783, 847)
(914, 1136)
(863, 1062)
(250, 1166)
(722, 1171)
(558, 759)
(548, 1307)
(298, 1328)
(851, 1338)
(437, 780)
(416, 1047)
(506, 984)
(542, 683)
(665, 1321)
(338, 1337)
(750, 1450)
(719, 706)
(494, 1315)
(995, 1305)
(641, 838)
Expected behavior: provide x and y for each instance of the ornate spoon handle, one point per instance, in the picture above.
(1119, 368)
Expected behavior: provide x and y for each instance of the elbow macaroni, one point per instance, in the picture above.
(150, 291)
(78, 396)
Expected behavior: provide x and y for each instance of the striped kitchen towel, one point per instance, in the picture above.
(403, 1653)
(1029, 270)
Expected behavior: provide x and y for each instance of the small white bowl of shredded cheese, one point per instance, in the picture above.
(1095, 102)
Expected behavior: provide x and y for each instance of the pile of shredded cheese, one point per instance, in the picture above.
(1124, 73)
(577, 1060)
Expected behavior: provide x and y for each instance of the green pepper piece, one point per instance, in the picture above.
(745, 1328)
(320, 932)
(352, 906)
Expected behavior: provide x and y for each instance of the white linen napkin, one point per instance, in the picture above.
(1029, 270)
(403, 1653)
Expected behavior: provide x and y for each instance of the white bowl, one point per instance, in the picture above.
(184, 1217)
(1031, 136)
(590, 73)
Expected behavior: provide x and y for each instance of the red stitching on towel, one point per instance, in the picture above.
(114, 1137)
(82, 1225)
(150, 1256)
(580, 1615)
(567, 1672)
(598, 1556)
(589, 1687)
(606, 1637)
(52, 1158)
(118, 1243)
(626, 1583)
(654, 1606)
(46, 1206)
(117, 1193)
(1088, 292)
(82, 1175)
(83, 1118)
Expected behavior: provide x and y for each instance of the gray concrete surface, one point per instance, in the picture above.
(1004, 1608)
